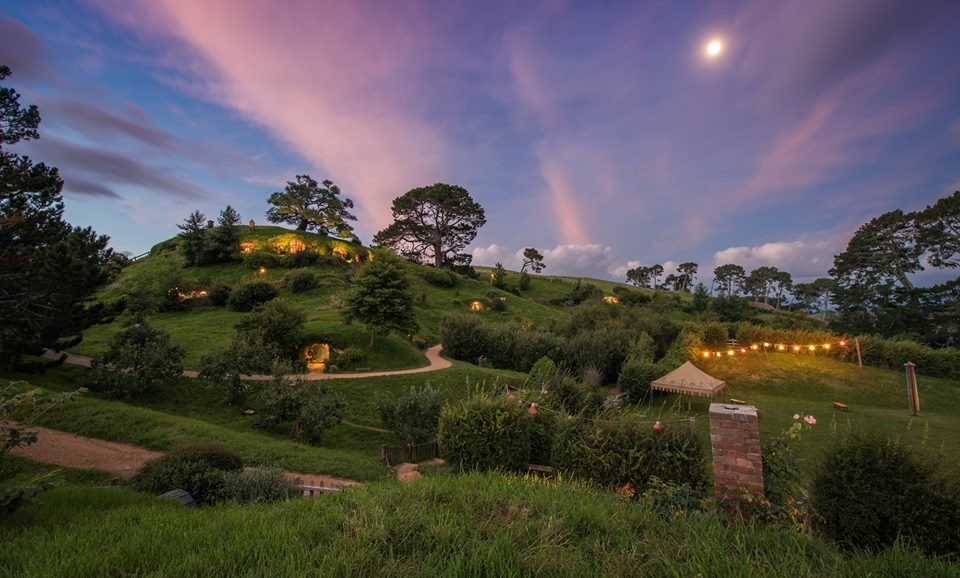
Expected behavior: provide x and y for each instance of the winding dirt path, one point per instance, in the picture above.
(75, 451)
(436, 362)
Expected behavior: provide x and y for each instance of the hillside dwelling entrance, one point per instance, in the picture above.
(476, 305)
(246, 247)
(318, 355)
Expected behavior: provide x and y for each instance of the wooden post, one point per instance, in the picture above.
(693, 426)
(856, 341)
(912, 394)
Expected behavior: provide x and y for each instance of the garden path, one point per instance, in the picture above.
(436, 362)
(76, 451)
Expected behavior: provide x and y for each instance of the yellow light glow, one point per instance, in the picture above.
(754, 347)
(812, 348)
(731, 352)
(826, 346)
(843, 344)
(765, 344)
(796, 348)
(706, 354)
(611, 299)
(718, 354)
(743, 350)
(263, 270)
(713, 48)
(781, 347)
(476, 306)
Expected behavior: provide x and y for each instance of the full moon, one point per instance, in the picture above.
(714, 48)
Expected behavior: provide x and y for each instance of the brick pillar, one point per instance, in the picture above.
(735, 439)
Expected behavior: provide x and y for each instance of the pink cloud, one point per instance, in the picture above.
(332, 82)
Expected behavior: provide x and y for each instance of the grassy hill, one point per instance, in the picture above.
(474, 525)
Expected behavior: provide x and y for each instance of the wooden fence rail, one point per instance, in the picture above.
(410, 453)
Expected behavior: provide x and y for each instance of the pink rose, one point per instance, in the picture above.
(796, 416)
(810, 420)
(533, 409)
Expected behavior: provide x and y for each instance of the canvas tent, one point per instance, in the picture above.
(690, 380)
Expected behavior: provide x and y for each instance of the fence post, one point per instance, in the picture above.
(735, 440)
(693, 426)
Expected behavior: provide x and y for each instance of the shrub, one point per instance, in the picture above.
(782, 481)
(484, 433)
(319, 414)
(464, 337)
(258, 486)
(301, 281)
(669, 500)
(869, 490)
(278, 324)
(893, 353)
(139, 360)
(715, 334)
(635, 377)
(218, 294)
(543, 372)
(591, 377)
(351, 357)
(602, 349)
(498, 304)
(543, 432)
(414, 415)
(300, 259)
(624, 450)
(246, 297)
(247, 354)
(569, 395)
(203, 471)
(438, 277)
(283, 399)
(524, 282)
(259, 259)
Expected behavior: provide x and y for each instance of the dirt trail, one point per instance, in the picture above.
(75, 451)
(436, 362)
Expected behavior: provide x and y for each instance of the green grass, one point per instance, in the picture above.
(15, 470)
(475, 525)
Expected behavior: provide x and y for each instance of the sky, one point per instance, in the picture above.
(601, 133)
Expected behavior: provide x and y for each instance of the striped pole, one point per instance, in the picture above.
(912, 393)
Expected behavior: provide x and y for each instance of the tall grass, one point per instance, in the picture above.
(475, 525)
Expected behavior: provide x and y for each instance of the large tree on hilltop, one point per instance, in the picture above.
(686, 275)
(308, 205)
(533, 259)
(940, 231)
(433, 225)
(729, 278)
(48, 269)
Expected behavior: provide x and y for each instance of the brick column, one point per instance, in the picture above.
(735, 439)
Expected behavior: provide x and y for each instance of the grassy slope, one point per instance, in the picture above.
(476, 525)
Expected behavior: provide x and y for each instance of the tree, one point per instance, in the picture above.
(700, 300)
(940, 231)
(433, 224)
(672, 282)
(759, 281)
(881, 252)
(193, 237)
(308, 205)
(639, 276)
(498, 277)
(533, 259)
(781, 282)
(380, 296)
(655, 272)
(223, 242)
(729, 278)
(140, 359)
(686, 275)
(413, 415)
(48, 268)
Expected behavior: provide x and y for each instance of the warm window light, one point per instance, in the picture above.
(611, 299)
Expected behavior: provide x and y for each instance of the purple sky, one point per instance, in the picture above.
(598, 132)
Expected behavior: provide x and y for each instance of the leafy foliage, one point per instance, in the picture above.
(139, 360)
(533, 259)
(869, 491)
(202, 470)
(278, 324)
(414, 415)
(380, 297)
(308, 205)
(247, 296)
(433, 225)
(484, 433)
(247, 354)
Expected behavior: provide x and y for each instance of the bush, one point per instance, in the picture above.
(498, 304)
(869, 490)
(543, 372)
(247, 354)
(300, 259)
(602, 349)
(524, 282)
(258, 486)
(623, 451)
(246, 297)
(414, 415)
(283, 399)
(319, 414)
(204, 471)
(218, 294)
(893, 353)
(439, 277)
(635, 378)
(782, 486)
(350, 358)
(543, 432)
(278, 324)
(670, 500)
(259, 259)
(301, 281)
(139, 360)
(484, 433)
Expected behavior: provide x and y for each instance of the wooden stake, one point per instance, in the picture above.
(856, 340)
(693, 426)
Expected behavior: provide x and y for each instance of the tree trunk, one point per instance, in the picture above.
(303, 225)
(372, 337)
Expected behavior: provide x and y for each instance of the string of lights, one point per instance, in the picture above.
(773, 347)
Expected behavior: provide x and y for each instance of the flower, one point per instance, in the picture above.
(657, 426)
(533, 409)
(810, 420)
(511, 397)
(796, 416)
